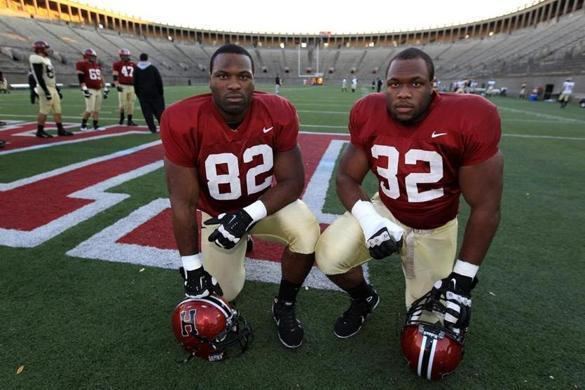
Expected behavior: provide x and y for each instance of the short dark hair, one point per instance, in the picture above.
(143, 57)
(413, 53)
(231, 49)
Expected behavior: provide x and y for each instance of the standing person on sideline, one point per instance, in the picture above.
(277, 84)
(344, 85)
(49, 94)
(426, 149)
(566, 92)
(222, 151)
(148, 87)
(123, 73)
(3, 84)
(379, 84)
(89, 74)
(354, 82)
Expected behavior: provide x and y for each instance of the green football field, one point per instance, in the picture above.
(67, 322)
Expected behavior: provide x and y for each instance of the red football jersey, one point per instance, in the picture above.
(92, 73)
(234, 167)
(125, 72)
(418, 165)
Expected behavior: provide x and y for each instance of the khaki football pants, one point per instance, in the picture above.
(49, 106)
(426, 255)
(126, 99)
(293, 225)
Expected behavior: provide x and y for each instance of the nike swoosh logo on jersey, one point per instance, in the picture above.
(266, 130)
(435, 134)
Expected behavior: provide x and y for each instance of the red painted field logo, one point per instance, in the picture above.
(38, 208)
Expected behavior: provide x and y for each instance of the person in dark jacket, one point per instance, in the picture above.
(148, 87)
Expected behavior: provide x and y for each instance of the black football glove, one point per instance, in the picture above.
(199, 283)
(86, 93)
(232, 226)
(60, 93)
(48, 95)
(455, 289)
(120, 89)
(381, 244)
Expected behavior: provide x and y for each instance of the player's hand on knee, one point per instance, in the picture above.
(199, 283)
(233, 225)
(383, 237)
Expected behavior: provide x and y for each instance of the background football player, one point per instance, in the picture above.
(89, 74)
(46, 88)
(425, 149)
(222, 151)
(123, 73)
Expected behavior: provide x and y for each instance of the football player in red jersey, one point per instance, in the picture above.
(233, 154)
(123, 73)
(425, 149)
(89, 73)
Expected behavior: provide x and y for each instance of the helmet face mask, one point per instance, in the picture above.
(124, 54)
(207, 327)
(90, 55)
(431, 350)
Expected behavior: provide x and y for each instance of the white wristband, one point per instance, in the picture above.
(465, 268)
(193, 262)
(256, 210)
(366, 215)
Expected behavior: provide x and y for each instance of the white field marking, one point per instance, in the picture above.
(75, 141)
(318, 185)
(62, 116)
(325, 126)
(533, 136)
(104, 246)
(325, 112)
(103, 201)
(541, 115)
(32, 132)
(71, 167)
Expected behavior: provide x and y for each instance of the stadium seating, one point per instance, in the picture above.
(536, 50)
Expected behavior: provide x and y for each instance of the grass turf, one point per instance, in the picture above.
(75, 323)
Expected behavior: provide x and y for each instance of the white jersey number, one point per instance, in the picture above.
(412, 180)
(127, 71)
(231, 179)
(95, 74)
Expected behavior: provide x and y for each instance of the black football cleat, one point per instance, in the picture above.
(352, 320)
(290, 330)
(132, 123)
(43, 134)
(64, 133)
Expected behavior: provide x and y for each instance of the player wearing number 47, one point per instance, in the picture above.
(222, 151)
(425, 149)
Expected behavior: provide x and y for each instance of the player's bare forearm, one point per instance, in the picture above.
(481, 186)
(352, 169)
(479, 232)
(183, 190)
(185, 228)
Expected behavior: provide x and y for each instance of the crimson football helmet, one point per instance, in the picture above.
(430, 348)
(206, 327)
(41, 47)
(124, 54)
(88, 53)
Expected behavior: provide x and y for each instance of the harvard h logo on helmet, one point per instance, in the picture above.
(206, 327)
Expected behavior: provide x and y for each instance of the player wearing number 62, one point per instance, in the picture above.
(426, 149)
(233, 154)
